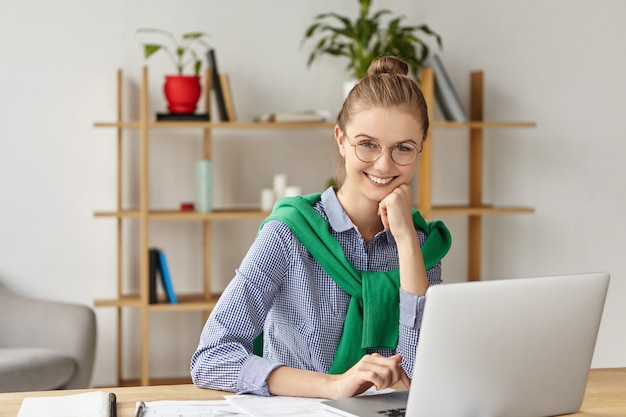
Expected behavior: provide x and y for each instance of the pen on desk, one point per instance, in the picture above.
(112, 405)
(141, 409)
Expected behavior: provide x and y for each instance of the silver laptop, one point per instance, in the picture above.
(506, 348)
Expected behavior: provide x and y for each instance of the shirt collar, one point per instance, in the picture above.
(337, 217)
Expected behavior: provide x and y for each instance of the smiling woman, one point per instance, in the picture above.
(370, 174)
(336, 282)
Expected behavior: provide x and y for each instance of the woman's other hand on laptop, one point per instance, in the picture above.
(372, 370)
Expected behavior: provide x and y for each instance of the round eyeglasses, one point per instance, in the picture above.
(368, 150)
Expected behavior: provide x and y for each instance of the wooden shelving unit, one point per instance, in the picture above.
(205, 300)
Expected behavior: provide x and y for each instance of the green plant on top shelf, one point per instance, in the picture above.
(181, 51)
(367, 38)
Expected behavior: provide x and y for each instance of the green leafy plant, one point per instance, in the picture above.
(181, 52)
(366, 38)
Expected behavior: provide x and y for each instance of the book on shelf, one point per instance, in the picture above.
(217, 86)
(296, 116)
(153, 262)
(445, 93)
(228, 97)
(158, 267)
(166, 278)
(87, 404)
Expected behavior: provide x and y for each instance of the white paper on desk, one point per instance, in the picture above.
(177, 408)
(278, 406)
(88, 404)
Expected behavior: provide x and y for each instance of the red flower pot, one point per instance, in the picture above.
(182, 93)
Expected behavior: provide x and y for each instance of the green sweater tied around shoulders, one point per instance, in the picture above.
(374, 309)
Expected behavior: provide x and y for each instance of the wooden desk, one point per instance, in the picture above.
(605, 395)
(127, 397)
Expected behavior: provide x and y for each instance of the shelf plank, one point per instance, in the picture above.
(186, 302)
(126, 301)
(217, 125)
(214, 215)
(123, 213)
(438, 124)
(479, 210)
(184, 306)
(241, 125)
(125, 125)
(485, 124)
(188, 215)
(258, 214)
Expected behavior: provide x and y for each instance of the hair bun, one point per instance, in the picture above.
(388, 65)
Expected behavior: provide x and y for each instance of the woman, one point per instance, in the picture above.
(336, 282)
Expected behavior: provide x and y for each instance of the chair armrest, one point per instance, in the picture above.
(67, 327)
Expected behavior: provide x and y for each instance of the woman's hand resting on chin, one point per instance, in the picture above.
(396, 213)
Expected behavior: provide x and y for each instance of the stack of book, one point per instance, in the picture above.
(296, 116)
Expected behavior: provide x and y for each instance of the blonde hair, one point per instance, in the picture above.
(386, 85)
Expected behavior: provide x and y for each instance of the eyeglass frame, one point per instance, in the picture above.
(381, 149)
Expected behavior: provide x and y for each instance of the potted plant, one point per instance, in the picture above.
(367, 37)
(182, 91)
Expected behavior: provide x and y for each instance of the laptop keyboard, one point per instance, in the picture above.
(394, 412)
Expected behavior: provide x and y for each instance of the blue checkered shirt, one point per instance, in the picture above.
(281, 290)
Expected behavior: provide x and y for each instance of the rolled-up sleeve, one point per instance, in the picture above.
(411, 309)
(253, 376)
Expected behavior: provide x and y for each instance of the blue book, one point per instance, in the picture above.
(166, 279)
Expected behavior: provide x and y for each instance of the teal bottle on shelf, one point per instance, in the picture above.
(204, 186)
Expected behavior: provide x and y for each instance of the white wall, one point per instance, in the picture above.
(559, 63)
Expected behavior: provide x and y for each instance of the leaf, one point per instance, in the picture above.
(429, 31)
(379, 14)
(150, 49)
(311, 30)
(194, 35)
(151, 30)
(346, 22)
(365, 6)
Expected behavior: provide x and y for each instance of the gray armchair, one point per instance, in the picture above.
(44, 345)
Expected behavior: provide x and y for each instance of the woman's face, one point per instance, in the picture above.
(389, 128)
